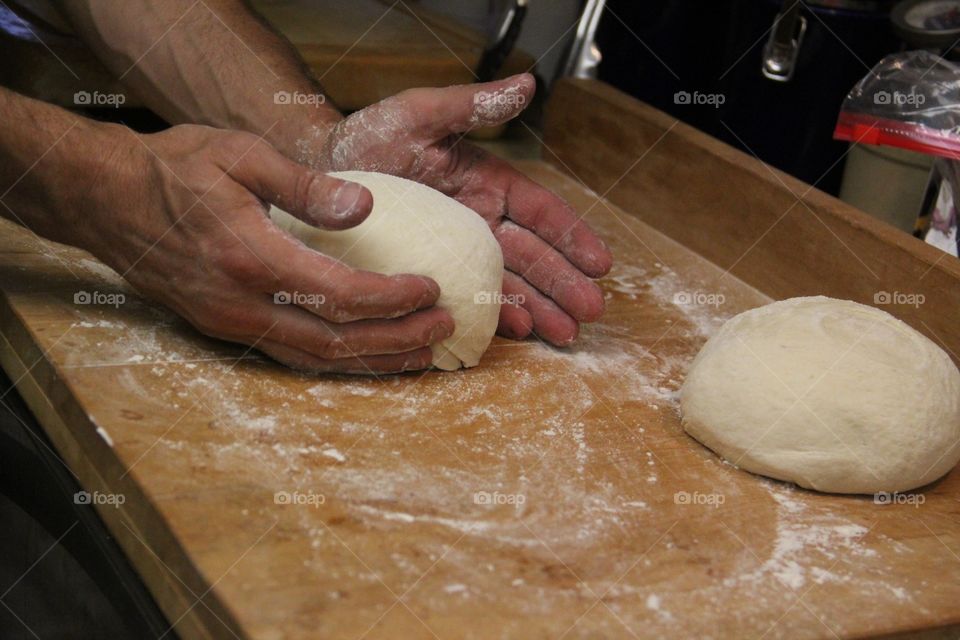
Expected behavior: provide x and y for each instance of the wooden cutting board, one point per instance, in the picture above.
(546, 493)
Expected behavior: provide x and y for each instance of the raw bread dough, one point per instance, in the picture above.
(416, 229)
(830, 394)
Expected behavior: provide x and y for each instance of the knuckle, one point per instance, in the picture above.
(337, 307)
(332, 347)
(241, 265)
(338, 314)
(239, 143)
(401, 109)
(398, 102)
(306, 186)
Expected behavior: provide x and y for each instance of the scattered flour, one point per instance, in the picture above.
(626, 279)
(99, 324)
(333, 453)
(102, 271)
(802, 535)
(464, 526)
(699, 308)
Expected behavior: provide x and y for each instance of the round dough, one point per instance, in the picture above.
(878, 408)
(416, 229)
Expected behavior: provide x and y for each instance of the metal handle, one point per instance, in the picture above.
(782, 48)
(584, 56)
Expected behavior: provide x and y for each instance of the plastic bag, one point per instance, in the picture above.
(909, 100)
(943, 218)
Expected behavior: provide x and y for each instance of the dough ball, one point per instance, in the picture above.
(416, 229)
(829, 394)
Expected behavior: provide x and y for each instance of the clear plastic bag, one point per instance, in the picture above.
(943, 218)
(909, 100)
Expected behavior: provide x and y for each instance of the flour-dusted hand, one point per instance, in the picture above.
(182, 215)
(550, 254)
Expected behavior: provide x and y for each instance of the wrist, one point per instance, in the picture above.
(99, 179)
(301, 132)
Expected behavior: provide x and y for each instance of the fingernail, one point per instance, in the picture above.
(510, 332)
(518, 333)
(431, 294)
(346, 199)
(440, 332)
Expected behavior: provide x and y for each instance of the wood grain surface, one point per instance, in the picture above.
(547, 493)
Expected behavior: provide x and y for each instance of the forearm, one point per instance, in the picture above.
(213, 62)
(50, 160)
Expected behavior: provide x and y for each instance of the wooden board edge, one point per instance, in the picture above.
(206, 621)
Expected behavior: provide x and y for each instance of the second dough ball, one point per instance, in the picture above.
(829, 394)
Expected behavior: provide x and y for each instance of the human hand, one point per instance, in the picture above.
(550, 255)
(183, 215)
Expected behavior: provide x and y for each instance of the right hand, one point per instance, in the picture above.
(183, 216)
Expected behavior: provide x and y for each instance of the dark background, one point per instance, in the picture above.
(715, 46)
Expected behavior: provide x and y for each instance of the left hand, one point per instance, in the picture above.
(550, 255)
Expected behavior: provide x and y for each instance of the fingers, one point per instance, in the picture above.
(535, 208)
(515, 321)
(365, 365)
(547, 270)
(315, 198)
(333, 290)
(436, 113)
(292, 325)
(550, 322)
(351, 294)
(301, 339)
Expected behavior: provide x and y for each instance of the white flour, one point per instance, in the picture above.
(802, 535)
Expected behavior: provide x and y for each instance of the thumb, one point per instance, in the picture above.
(437, 113)
(313, 197)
